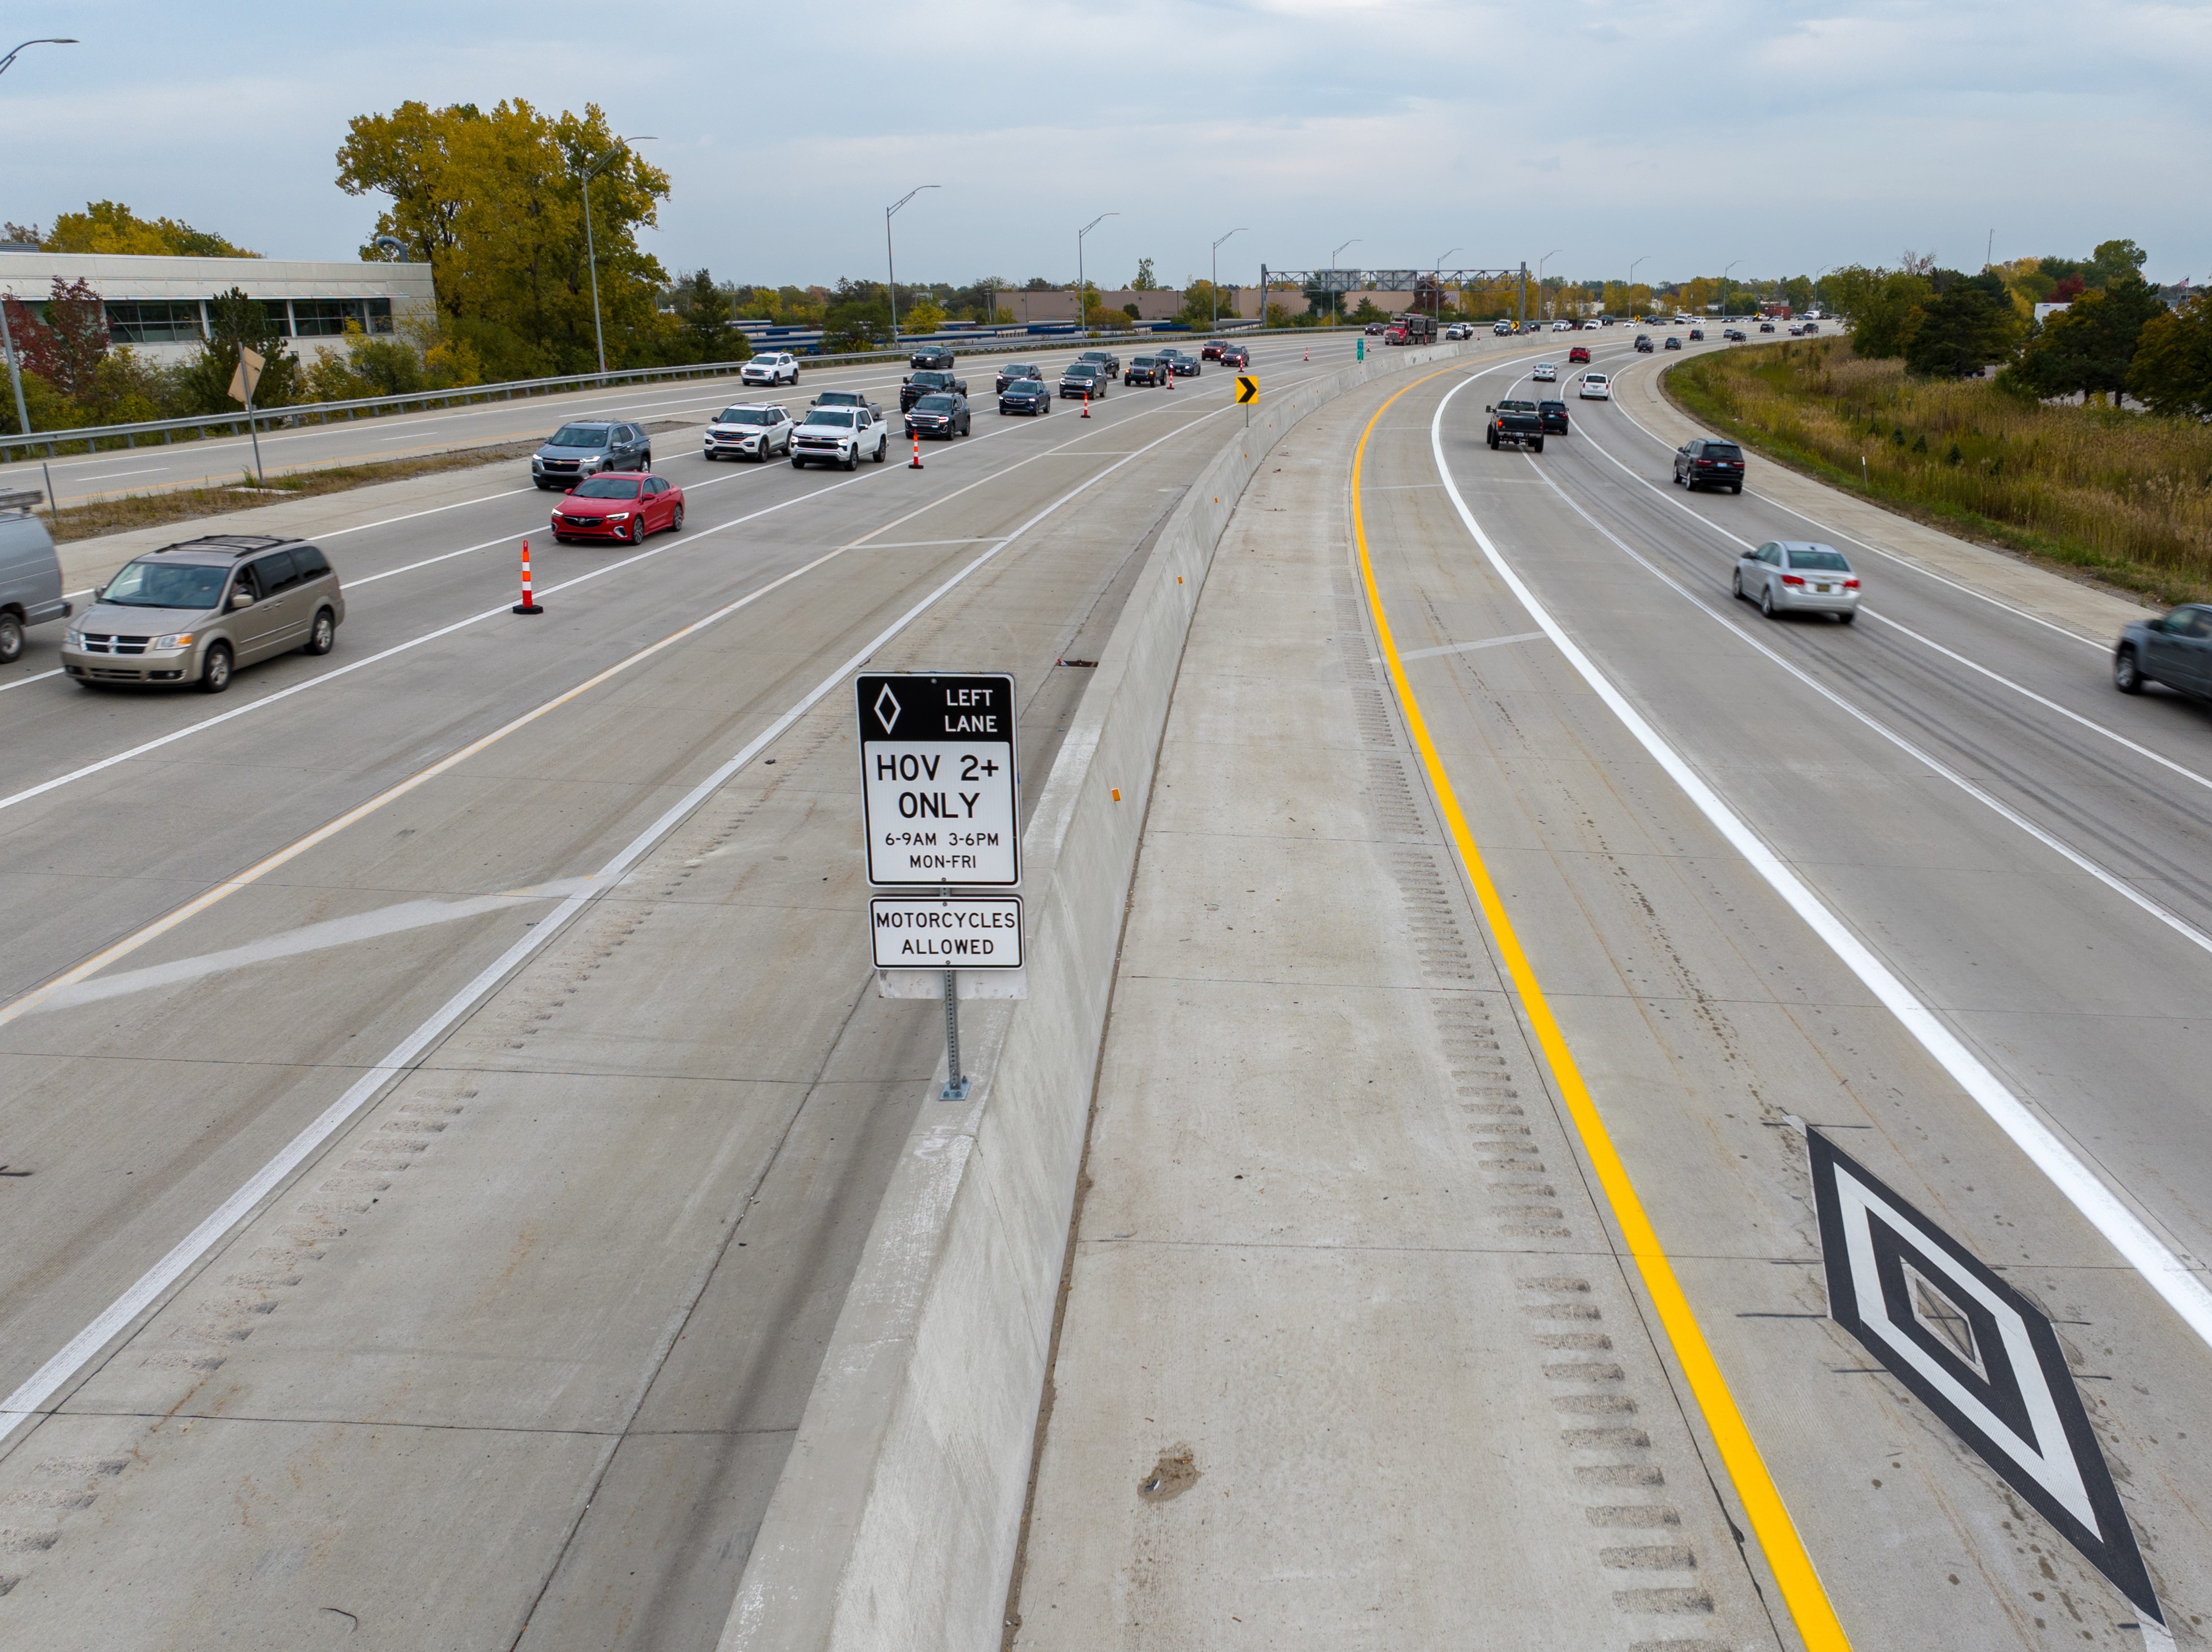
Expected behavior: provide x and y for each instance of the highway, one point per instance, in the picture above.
(513, 1357)
(155, 466)
(1968, 806)
(448, 1096)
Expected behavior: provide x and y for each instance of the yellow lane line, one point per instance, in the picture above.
(1793, 1567)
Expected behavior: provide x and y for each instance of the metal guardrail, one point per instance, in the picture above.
(90, 439)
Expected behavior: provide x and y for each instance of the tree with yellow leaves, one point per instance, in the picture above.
(493, 201)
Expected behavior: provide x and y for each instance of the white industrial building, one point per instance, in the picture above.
(159, 305)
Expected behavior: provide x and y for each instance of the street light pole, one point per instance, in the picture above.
(591, 249)
(1217, 279)
(1354, 241)
(1631, 279)
(1082, 309)
(52, 39)
(1440, 257)
(890, 265)
(1724, 287)
(1540, 263)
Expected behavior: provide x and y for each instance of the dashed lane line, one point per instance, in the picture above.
(2164, 1271)
(35, 1394)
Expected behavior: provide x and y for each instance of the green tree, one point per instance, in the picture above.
(925, 317)
(704, 310)
(1965, 325)
(235, 321)
(110, 227)
(1879, 306)
(857, 317)
(493, 200)
(2089, 346)
(1145, 282)
(2114, 261)
(2171, 370)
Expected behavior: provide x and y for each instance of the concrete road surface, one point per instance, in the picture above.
(512, 1357)
(1971, 812)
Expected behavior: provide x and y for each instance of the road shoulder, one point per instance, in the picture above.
(2079, 605)
(1348, 1356)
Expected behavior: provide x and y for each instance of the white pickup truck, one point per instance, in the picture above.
(839, 435)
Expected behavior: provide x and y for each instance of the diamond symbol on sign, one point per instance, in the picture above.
(887, 709)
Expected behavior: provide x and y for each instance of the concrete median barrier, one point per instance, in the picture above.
(895, 1521)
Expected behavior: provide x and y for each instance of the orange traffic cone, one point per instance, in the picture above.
(1086, 404)
(1310, 352)
(529, 604)
(916, 465)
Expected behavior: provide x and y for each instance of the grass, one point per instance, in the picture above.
(2122, 496)
(127, 511)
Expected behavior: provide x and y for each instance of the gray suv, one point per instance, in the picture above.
(194, 613)
(584, 447)
(30, 574)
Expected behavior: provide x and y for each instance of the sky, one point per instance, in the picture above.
(1591, 134)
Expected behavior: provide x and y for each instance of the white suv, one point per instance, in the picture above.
(754, 432)
(781, 368)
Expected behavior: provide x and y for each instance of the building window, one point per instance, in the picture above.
(155, 321)
(380, 315)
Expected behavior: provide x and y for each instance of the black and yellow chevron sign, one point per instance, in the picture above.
(1248, 389)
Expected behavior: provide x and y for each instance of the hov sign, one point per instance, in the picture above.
(960, 932)
(937, 778)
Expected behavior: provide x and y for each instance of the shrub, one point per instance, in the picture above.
(2129, 495)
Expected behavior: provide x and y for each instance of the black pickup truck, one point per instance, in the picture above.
(928, 384)
(1517, 424)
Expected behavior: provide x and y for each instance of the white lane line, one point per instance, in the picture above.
(2021, 688)
(201, 903)
(2163, 1270)
(2113, 735)
(363, 664)
(35, 676)
(1468, 648)
(2057, 845)
(109, 476)
(1898, 557)
(33, 1393)
(156, 744)
(312, 938)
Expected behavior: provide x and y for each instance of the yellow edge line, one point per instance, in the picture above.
(1800, 1582)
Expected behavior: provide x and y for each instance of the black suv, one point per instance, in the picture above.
(1552, 415)
(942, 413)
(1014, 372)
(1705, 463)
(929, 384)
(937, 357)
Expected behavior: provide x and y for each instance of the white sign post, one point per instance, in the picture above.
(940, 810)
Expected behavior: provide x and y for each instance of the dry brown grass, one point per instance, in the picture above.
(127, 511)
(2124, 495)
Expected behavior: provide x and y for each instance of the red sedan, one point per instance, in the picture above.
(624, 505)
(1235, 355)
(1579, 353)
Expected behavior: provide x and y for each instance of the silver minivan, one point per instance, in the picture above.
(30, 574)
(196, 611)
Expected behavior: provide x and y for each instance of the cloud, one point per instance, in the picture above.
(1781, 135)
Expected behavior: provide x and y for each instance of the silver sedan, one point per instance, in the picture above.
(1795, 576)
